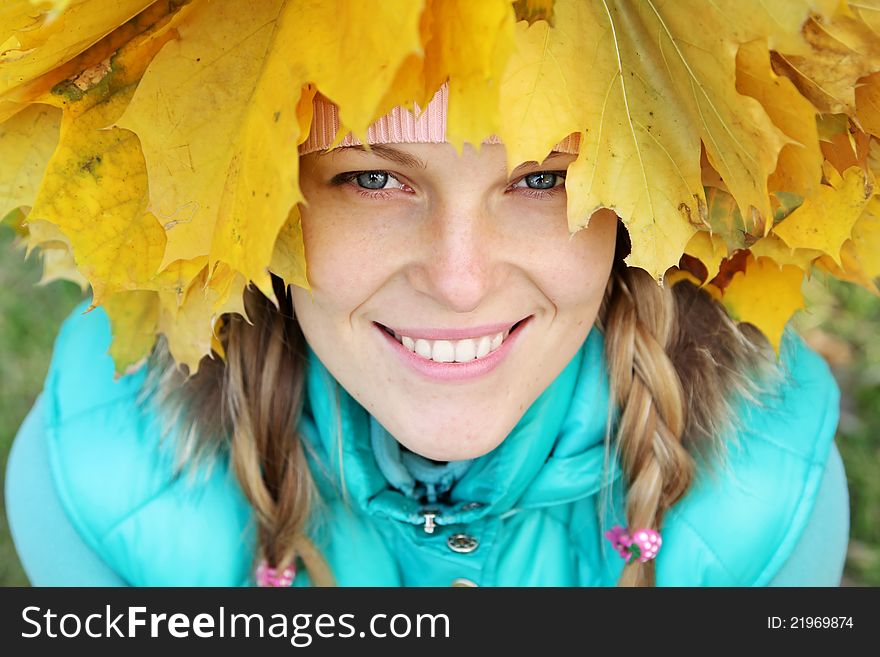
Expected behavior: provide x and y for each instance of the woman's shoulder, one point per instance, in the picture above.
(115, 474)
(742, 518)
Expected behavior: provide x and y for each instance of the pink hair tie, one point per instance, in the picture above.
(642, 544)
(270, 577)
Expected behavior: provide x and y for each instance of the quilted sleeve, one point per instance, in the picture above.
(115, 477)
(51, 550)
(742, 520)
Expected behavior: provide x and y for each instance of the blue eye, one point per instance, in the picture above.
(541, 180)
(372, 179)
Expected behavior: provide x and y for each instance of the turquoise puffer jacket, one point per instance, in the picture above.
(531, 512)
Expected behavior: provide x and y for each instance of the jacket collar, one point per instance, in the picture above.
(554, 454)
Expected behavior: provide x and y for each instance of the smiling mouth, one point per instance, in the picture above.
(454, 351)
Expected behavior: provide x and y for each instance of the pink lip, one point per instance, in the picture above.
(453, 334)
(456, 371)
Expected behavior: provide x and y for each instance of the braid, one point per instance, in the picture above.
(250, 405)
(676, 362)
(265, 398)
(640, 326)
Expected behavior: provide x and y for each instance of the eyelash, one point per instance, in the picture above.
(348, 178)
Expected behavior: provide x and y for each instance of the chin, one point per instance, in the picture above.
(435, 442)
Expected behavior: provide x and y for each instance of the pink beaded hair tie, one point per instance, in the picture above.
(270, 577)
(642, 544)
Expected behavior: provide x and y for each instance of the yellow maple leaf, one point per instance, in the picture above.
(655, 81)
(289, 256)
(219, 124)
(866, 239)
(134, 318)
(868, 11)
(95, 191)
(766, 296)
(27, 141)
(535, 10)
(710, 249)
(781, 253)
(799, 167)
(55, 35)
(189, 326)
(81, 71)
(469, 46)
(59, 265)
(176, 279)
(860, 256)
(842, 49)
(825, 221)
(868, 104)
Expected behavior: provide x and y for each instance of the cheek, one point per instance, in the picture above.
(578, 277)
(341, 261)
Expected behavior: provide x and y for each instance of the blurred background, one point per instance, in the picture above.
(842, 324)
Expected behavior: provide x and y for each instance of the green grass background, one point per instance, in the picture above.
(843, 323)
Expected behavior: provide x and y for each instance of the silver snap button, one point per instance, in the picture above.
(462, 543)
(463, 581)
(429, 515)
(471, 505)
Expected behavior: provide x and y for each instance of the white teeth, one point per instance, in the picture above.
(447, 351)
(465, 350)
(496, 341)
(443, 351)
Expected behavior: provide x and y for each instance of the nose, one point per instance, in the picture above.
(459, 259)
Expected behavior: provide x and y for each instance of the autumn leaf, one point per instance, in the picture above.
(188, 326)
(223, 186)
(95, 192)
(469, 46)
(27, 142)
(868, 11)
(171, 179)
(724, 218)
(709, 249)
(799, 167)
(825, 221)
(842, 50)
(54, 37)
(80, 72)
(865, 240)
(95, 189)
(134, 320)
(776, 249)
(860, 255)
(868, 104)
(655, 82)
(765, 295)
(59, 265)
(289, 257)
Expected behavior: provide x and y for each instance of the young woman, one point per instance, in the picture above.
(468, 395)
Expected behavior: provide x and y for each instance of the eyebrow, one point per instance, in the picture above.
(408, 160)
(385, 152)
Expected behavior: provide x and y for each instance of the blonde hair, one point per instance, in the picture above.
(676, 362)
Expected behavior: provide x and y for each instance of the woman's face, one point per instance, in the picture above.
(421, 261)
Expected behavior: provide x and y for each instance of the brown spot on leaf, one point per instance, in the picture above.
(685, 209)
(91, 164)
(92, 76)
